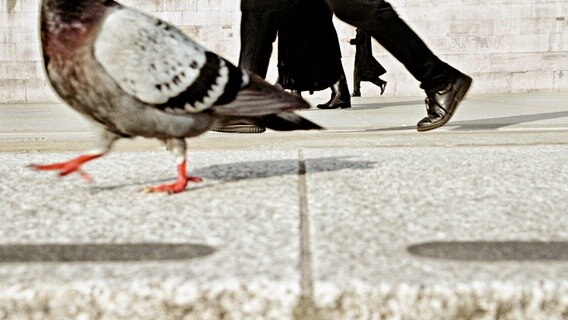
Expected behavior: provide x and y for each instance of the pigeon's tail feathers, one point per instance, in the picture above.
(283, 121)
(259, 98)
(286, 121)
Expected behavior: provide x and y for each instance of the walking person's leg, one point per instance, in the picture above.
(356, 83)
(258, 32)
(444, 85)
(382, 84)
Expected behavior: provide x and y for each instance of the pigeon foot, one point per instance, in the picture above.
(68, 167)
(176, 187)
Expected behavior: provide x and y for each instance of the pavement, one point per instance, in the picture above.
(366, 220)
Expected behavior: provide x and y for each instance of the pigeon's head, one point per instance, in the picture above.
(73, 11)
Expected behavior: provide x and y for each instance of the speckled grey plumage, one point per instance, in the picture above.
(136, 75)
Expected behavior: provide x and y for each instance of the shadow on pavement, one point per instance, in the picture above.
(373, 106)
(481, 124)
(128, 252)
(487, 251)
(228, 172)
(497, 123)
(231, 172)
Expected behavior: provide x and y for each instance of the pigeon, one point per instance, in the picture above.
(138, 76)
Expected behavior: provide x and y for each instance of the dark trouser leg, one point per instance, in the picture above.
(378, 18)
(258, 32)
(445, 86)
(343, 82)
(356, 83)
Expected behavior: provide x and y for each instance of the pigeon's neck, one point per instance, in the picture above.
(74, 11)
(67, 22)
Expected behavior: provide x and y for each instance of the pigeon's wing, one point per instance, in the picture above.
(159, 65)
(258, 98)
(156, 63)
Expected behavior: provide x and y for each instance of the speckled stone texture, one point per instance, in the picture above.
(364, 220)
(246, 210)
(368, 220)
(445, 301)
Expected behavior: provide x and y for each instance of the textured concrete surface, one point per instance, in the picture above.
(246, 211)
(368, 220)
(365, 219)
(534, 118)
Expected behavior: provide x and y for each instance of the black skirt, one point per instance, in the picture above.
(366, 66)
(309, 56)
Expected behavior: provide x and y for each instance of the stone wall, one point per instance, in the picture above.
(507, 45)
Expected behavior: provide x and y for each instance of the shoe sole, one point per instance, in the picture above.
(342, 107)
(459, 97)
(240, 129)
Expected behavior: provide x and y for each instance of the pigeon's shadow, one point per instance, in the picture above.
(237, 171)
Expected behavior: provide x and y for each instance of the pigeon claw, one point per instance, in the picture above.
(176, 187)
(68, 167)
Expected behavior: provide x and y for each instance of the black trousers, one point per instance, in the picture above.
(379, 19)
(309, 54)
(376, 17)
(258, 32)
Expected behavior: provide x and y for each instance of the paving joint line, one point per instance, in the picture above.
(305, 308)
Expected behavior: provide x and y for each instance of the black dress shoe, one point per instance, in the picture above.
(339, 97)
(442, 104)
(356, 94)
(382, 84)
(335, 104)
